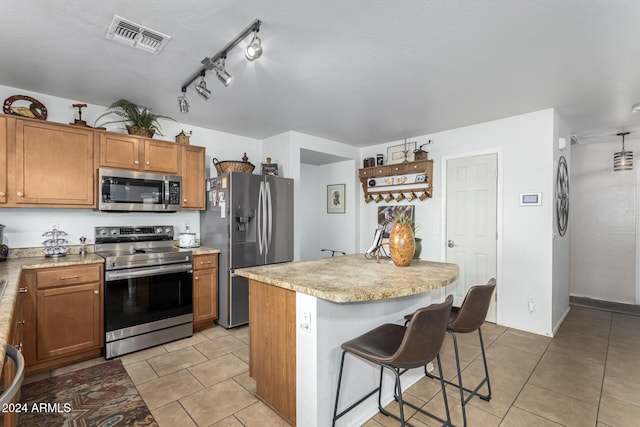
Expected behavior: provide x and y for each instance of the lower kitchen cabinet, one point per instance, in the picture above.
(205, 290)
(63, 315)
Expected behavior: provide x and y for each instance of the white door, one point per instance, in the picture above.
(471, 232)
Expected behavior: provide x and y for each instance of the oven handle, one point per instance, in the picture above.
(147, 271)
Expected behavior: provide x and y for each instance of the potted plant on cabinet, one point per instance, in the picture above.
(141, 121)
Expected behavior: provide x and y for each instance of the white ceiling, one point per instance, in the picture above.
(361, 72)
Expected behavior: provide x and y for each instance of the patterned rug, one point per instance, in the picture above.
(100, 396)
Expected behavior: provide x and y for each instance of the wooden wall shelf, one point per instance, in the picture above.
(399, 182)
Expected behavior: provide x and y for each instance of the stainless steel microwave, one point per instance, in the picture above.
(129, 191)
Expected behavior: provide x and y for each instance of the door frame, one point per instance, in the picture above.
(499, 216)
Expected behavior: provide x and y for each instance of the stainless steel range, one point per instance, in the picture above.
(148, 288)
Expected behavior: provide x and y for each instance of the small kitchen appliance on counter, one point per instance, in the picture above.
(148, 287)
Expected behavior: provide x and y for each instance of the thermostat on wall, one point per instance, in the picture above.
(530, 199)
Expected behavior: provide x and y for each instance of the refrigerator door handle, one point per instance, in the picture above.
(260, 220)
(269, 219)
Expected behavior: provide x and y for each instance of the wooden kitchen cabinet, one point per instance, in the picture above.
(3, 160)
(205, 290)
(63, 315)
(54, 165)
(193, 175)
(137, 153)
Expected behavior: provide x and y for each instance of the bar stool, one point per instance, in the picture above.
(466, 319)
(399, 348)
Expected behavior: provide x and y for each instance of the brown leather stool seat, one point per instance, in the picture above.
(466, 319)
(399, 348)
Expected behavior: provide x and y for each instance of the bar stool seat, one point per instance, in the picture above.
(398, 348)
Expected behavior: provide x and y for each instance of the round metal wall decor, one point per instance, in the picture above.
(562, 196)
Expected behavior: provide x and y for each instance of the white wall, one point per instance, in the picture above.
(26, 225)
(319, 229)
(288, 146)
(561, 244)
(524, 144)
(602, 222)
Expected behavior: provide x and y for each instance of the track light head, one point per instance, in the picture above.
(183, 103)
(223, 76)
(254, 49)
(201, 88)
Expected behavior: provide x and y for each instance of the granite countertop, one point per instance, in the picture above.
(354, 278)
(203, 250)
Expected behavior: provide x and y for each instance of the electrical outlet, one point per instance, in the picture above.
(430, 367)
(305, 325)
(53, 226)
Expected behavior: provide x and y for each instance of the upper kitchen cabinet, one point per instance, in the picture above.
(3, 160)
(193, 175)
(137, 153)
(54, 165)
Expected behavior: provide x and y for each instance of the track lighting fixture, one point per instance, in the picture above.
(201, 87)
(223, 76)
(623, 160)
(254, 49)
(217, 63)
(183, 103)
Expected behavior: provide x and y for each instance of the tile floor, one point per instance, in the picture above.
(588, 375)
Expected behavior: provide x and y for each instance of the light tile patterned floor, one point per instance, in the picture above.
(588, 375)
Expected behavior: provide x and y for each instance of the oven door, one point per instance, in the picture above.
(135, 297)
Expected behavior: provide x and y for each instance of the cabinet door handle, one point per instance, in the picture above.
(196, 278)
(69, 277)
(205, 262)
(23, 290)
(184, 200)
(21, 322)
(136, 162)
(148, 163)
(20, 194)
(2, 194)
(97, 292)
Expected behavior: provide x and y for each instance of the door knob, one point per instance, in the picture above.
(451, 243)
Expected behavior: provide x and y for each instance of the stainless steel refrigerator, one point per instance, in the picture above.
(250, 219)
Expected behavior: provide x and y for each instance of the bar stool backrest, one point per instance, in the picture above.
(474, 308)
(424, 336)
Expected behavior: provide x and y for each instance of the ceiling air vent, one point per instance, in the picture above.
(127, 32)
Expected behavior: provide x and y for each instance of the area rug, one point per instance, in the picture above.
(100, 396)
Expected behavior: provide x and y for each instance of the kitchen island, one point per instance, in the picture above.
(301, 312)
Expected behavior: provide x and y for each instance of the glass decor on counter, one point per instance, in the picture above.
(55, 244)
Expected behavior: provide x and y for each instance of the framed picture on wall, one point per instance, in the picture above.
(335, 198)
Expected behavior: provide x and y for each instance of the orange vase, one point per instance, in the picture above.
(402, 244)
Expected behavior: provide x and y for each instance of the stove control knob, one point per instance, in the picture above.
(167, 230)
(114, 232)
(159, 230)
(102, 231)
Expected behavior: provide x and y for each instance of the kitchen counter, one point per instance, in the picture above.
(353, 278)
(10, 272)
(301, 312)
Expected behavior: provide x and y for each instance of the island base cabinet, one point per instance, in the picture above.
(272, 347)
